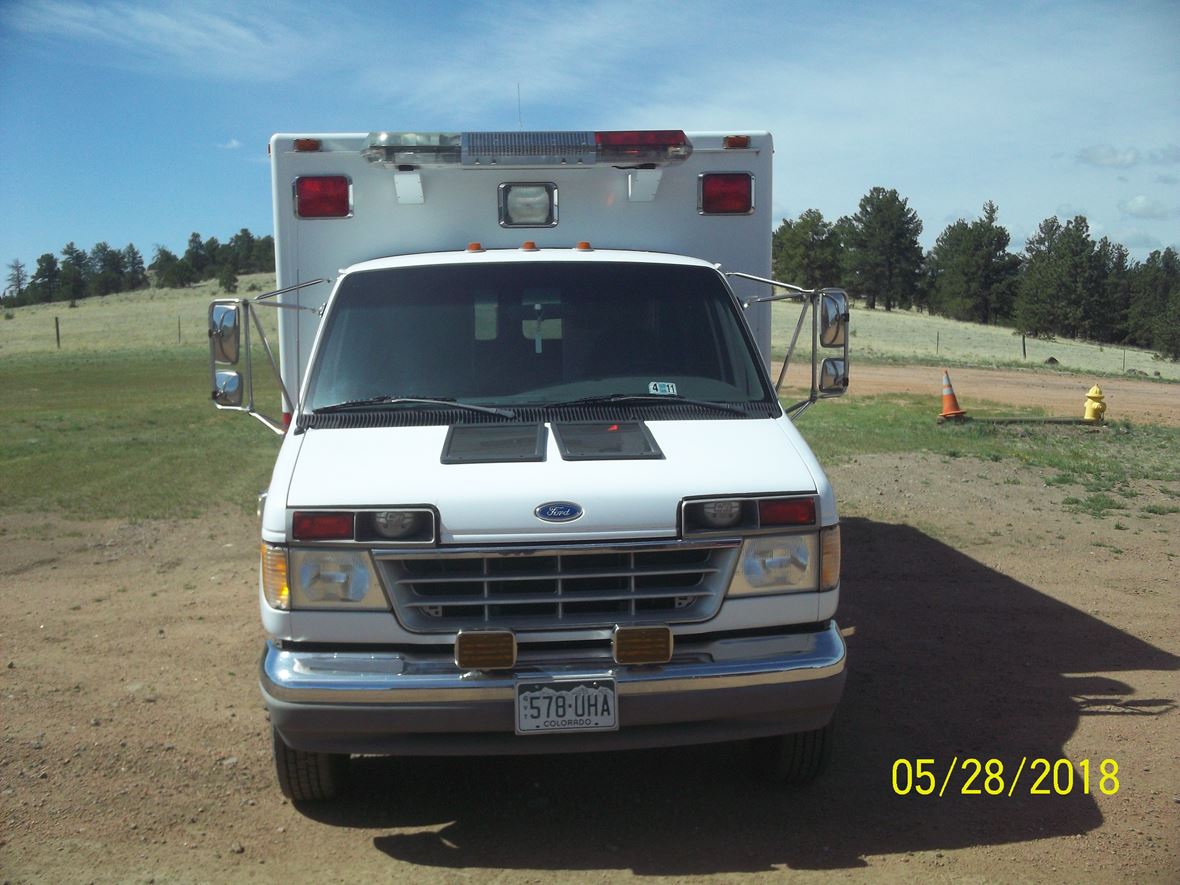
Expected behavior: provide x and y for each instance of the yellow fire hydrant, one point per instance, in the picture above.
(1095, 407)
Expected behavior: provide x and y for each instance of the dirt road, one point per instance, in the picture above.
(1058, 393)
(988, 624)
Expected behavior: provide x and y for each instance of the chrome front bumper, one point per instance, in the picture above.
(725, 689)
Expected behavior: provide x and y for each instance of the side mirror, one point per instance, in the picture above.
(833, 377)
(224, 332)
(228, 390)
(833, 318)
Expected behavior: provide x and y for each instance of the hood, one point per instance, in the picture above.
(495, 503)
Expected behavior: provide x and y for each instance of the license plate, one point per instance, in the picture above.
(560, 705)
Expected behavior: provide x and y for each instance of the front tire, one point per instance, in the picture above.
(791, 758)
(308, 777)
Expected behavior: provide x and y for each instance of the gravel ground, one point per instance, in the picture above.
(986, 623)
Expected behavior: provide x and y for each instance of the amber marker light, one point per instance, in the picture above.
(642, 645)
(274, 577)
(485, 649)
(829, 557)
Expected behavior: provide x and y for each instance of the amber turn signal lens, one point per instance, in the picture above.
(274, 577)
(829, 557)
(485, 649)
(642, 645)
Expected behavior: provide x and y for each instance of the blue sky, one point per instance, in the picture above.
(130, 121)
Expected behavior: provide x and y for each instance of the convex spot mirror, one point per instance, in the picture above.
(227, 390)
(224, 332)
(833, 318)
(833, 377)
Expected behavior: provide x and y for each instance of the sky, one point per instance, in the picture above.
(140, 122)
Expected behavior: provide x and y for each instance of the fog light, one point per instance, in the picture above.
(721, 514)
(394, 524)
(485, 650)
(642, 645)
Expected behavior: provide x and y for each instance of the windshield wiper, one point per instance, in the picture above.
(608, 399)
(386, 401)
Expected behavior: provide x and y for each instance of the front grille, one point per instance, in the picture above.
(538, 588)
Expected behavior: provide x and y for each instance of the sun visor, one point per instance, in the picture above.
(623, 440)
(494, 443)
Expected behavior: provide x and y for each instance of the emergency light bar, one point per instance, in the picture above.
(528, 149)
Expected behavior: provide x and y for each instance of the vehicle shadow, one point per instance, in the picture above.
(949, 659)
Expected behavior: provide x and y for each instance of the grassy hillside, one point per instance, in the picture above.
(149, 318)
(118, 422)
(903, 336)
(168, 318)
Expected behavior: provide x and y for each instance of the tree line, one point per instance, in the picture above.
(103, 270)
(1064, 283)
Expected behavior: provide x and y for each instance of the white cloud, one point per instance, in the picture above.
(1144, 207)
(197, 38)
(1136, 238)
(1165, 156)
(232, 145)
(1067, 212)
(583, 60)
(1109, 156)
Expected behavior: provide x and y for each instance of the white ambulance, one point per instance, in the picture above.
(536, 491)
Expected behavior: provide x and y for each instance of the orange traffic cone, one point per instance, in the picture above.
(950, 405)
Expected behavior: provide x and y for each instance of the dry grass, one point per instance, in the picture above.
(161, 318)
(903, 336)
(149, 318)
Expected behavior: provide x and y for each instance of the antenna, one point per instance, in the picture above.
(519, 118)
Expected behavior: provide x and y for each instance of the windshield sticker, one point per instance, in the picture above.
(662, 388)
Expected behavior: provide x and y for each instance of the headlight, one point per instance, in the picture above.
(340, 579)
(777, 564)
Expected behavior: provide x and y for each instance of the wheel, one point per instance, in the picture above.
(308, 777)
(791, 758)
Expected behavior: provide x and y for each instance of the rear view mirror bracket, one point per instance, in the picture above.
(829, 328)
(230, 336)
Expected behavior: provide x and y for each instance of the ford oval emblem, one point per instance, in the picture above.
(558, 511)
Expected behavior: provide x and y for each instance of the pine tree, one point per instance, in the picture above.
(135, 274)
(807, 251)
(970, 275)
(75, 266)
(106, 270)
(882, 256)
(17, 278)
(46, 281)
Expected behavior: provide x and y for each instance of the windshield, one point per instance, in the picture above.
(535, 334)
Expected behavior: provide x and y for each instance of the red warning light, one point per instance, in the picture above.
(727, 193)
(323, 196)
